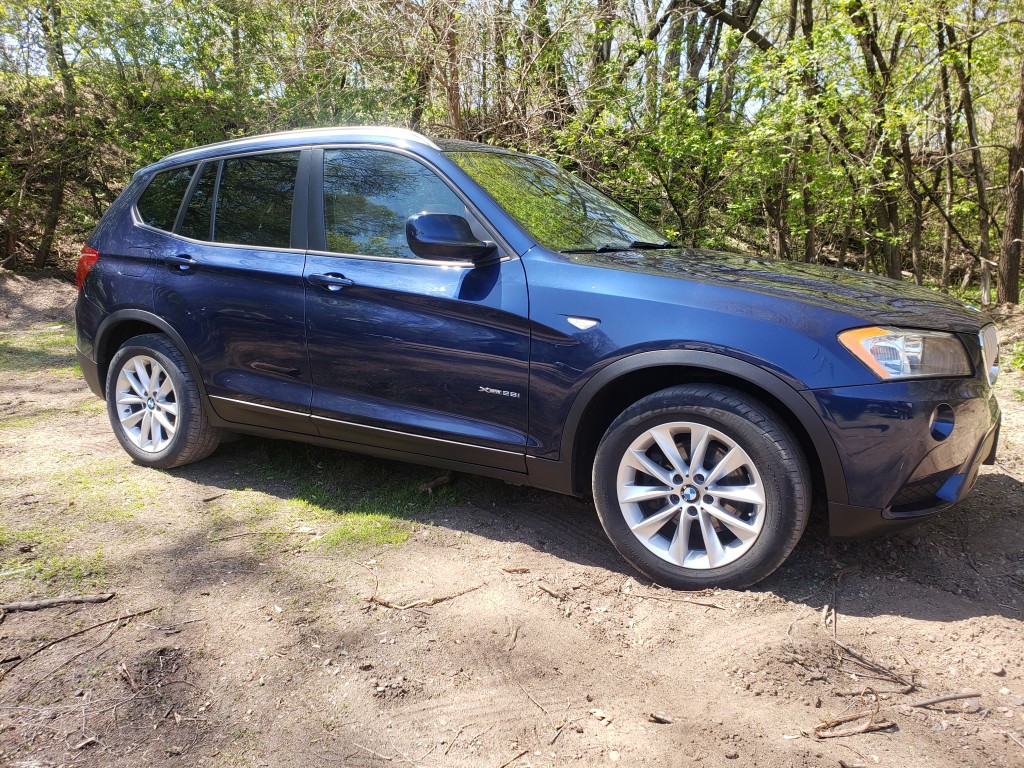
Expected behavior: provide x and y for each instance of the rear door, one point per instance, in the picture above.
(422, 356)
(231, 284)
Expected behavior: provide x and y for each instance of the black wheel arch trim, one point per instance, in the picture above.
(798, 406)
(103, 355)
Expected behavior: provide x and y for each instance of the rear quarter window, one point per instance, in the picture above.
(159, 203)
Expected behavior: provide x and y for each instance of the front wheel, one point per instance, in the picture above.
(154, 405)
(701, 486)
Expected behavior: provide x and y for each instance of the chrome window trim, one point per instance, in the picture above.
(208, 243)
(506, 251)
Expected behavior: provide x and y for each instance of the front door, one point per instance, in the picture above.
(425, 357)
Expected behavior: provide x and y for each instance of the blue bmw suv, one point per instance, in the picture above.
(453, 304)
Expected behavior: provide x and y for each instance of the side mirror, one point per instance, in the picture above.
(447, 237)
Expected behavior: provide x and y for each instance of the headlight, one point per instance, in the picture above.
(898, 353)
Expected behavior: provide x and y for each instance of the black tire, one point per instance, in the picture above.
(193, 437)
(773, 465)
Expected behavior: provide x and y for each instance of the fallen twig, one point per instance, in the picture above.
(52, 643)
(887, 674)
(456, 738)
(532, 699)
(515, 637)
(951, 697)
(825, 730)
(659, 598)
(375, 754)
(24, 694)
(170, 629)
(53, 602)
(509, 762)
(262, 533)
(561, 728)
(425, 603)
(545, 588)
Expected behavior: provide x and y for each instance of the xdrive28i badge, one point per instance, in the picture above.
(502, 392)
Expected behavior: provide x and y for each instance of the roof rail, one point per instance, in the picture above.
(313, 134)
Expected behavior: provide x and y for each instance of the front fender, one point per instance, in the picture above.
(795, 406)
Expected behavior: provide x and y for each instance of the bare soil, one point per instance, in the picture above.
(515, 635)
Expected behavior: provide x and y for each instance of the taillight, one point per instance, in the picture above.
(86, 262)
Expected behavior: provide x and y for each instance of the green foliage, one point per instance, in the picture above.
(1014, 356)
(792, 138)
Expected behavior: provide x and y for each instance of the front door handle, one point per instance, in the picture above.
(182, 261)
(331, 281)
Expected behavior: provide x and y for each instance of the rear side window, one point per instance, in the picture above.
(158, 205)
(196, 223)
(370, 194)
(254, 201)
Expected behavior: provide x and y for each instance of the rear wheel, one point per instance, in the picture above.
(701, 486)
(154, 405)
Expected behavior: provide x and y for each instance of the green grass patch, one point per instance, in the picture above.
(41, 347)
(107, 489)
(362, 529)
(26, 420)
(353, 501)
(39, 554)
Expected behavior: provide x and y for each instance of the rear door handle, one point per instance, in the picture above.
(330, 281)
(182, 261)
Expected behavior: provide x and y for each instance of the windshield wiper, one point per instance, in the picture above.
(635, 245)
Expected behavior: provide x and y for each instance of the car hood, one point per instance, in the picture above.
(871, 298)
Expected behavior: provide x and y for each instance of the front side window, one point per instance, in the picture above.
(370, 194)
(559, 210)
(254, 200)
(158, 205)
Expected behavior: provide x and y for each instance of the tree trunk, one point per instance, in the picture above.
(1009, 259)
(918, 205)
(947, 142)
(453, 87)
(985, 247)
(50, 220)
(53, 42)
(673, 49)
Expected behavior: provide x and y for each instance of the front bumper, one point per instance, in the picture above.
(908, 449)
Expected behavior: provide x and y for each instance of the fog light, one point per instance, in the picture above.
(941, 423)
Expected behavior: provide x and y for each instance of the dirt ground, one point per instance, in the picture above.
(295, 606)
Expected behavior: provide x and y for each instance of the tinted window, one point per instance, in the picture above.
(369, 195)
(561, 211)
(254, 203)
(159, 204)
(196, 223)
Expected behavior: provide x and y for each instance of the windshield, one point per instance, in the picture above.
(561, 212)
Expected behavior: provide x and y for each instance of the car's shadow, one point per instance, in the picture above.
(966, 562)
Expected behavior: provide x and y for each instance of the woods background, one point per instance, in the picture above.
(881, 136)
